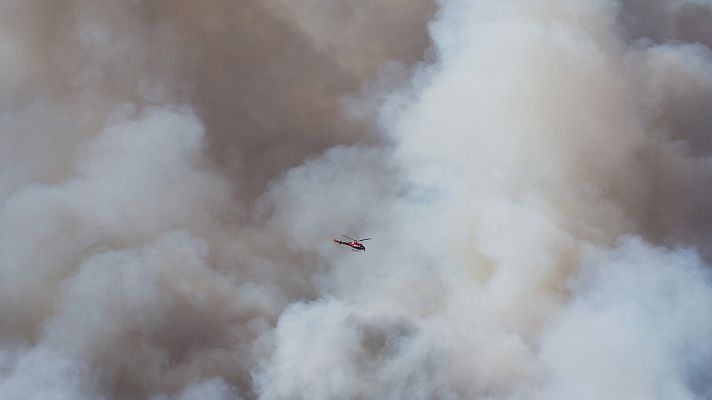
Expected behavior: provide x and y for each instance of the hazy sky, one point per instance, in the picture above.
(536, 177)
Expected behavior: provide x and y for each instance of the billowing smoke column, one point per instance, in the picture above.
(536, 179)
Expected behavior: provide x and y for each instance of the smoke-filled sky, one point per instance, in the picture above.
(536, 177)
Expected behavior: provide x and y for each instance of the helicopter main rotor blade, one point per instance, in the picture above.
(349, 237)
(361, 240)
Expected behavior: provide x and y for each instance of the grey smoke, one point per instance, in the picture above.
(535, 176)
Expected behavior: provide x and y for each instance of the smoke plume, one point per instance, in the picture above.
(535, 176)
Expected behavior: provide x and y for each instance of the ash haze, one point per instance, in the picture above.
(536, 175)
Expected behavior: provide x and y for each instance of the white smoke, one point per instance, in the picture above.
(539, 138)
(538, 202)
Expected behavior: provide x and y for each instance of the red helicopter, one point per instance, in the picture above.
(354, 243)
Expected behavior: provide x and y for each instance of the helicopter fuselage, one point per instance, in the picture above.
(353, 244)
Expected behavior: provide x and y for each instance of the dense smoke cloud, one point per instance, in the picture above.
(535, 176)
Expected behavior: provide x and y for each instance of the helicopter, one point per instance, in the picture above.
(354, 243)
